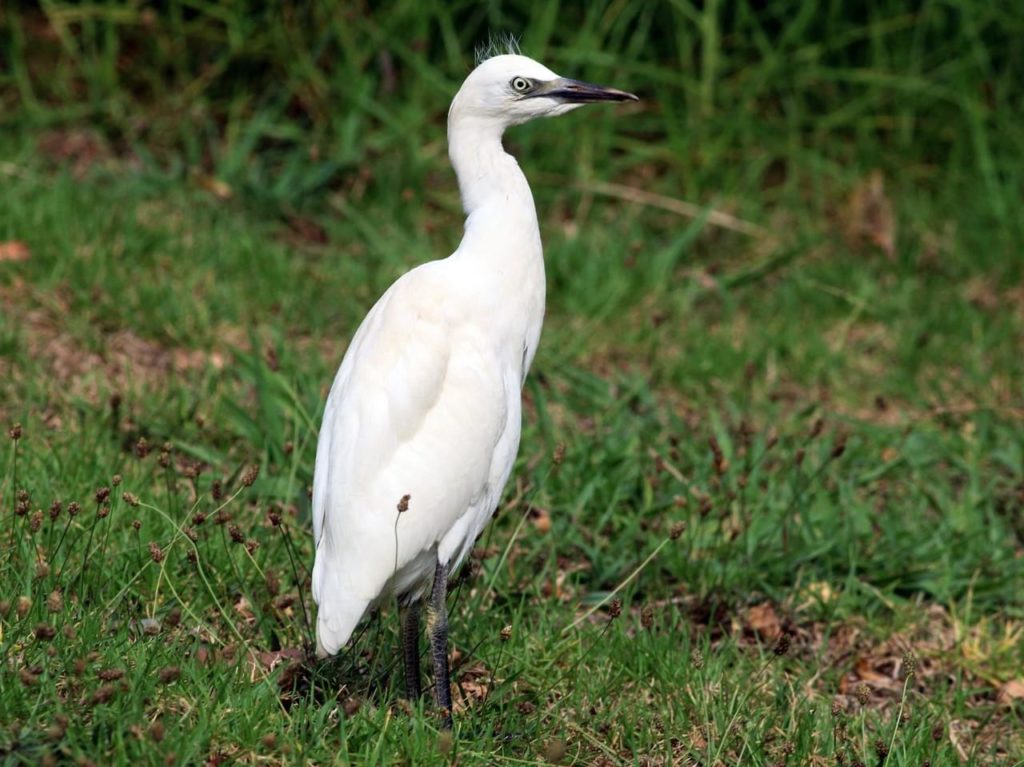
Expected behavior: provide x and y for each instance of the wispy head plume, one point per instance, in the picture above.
(497, 45)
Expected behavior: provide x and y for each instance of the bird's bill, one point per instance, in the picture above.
(579, 92)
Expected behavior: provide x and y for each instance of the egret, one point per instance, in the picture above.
(423, 420)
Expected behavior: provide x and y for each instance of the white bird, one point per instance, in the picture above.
(422, 423)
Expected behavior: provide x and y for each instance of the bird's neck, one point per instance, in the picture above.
(489, 178)
(501, 246)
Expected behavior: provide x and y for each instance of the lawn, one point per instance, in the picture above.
(769, 505)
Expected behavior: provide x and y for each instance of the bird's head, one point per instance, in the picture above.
(509, 90)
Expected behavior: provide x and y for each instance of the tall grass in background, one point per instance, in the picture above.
(748, 100)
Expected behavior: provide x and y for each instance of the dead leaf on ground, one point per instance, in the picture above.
(14, 251)
(540, 518)
(305, 231)
(558, 590)
(474, 683)
(866, 672)
(79, 149)
(763, 621)
(816, 593)
(1010, 692)
(215, 186)
(696, 737)
(984, 293)
(351, 705)
(244, 609)
(869, 217)
(263, 664)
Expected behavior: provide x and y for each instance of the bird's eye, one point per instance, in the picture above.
(520, 84)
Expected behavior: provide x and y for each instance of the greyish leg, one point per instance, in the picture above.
(439, 643)
(409, 616)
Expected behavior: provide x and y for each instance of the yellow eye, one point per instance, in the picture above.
(520, 84)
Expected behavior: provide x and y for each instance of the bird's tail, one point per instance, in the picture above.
(338, 613)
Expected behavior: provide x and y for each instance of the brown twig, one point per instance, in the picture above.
(673, 205)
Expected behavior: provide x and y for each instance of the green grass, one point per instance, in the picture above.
(736, 434)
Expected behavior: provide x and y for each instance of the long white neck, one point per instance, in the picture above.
(501, 244)
(486, 173)
(495, 194)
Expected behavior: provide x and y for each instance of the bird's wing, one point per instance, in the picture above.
(387, 383)
(417, 408)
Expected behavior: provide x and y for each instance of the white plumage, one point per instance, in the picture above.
(427, 401)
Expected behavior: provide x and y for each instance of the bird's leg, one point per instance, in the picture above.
(409, 616)
(439, 642)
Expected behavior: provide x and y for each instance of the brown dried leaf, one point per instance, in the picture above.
(14, 250)
(262, 664)
(984, 293)
(351, 705)
(305, 230)
(540, 518)
(763, 621)
(244, 609)
(218, 188)
(869, 216)
(866, 673)
(1010, 691)
(473, 686)
(697, 739)
(77, 149)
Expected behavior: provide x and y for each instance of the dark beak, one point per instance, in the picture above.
(578, 92)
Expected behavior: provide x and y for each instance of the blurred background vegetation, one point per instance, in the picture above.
(781, 367)
(749, 100)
